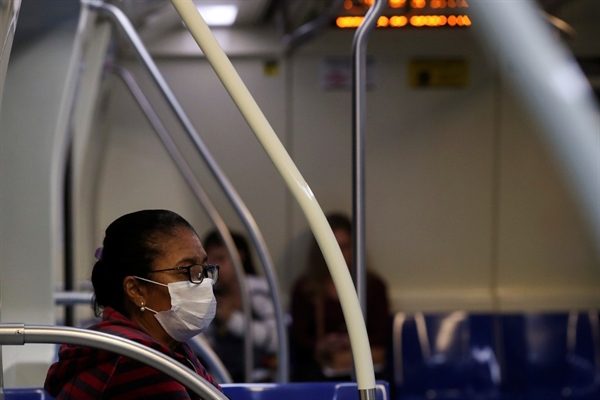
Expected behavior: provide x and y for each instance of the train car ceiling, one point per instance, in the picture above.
(278, 21)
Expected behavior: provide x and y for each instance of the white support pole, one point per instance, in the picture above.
(257, 121)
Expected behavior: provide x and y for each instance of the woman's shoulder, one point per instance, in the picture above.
(115, 323)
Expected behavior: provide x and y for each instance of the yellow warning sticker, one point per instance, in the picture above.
(438, 73)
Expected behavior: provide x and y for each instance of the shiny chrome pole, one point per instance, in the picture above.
(291, 41)
(19, 334)
(121, 20)
(9, 13)
(72, 298)
(359, 96)
(201, 347)
(206, 202)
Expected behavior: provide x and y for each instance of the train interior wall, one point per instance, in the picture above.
(466, 207)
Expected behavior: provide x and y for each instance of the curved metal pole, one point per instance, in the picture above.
(197, 343)
(206, 202)
(555, 90)
(302, 34)
(201, 347)
(255, 235)
(19, 334)
(342, 280)
(9, 13)
(359, 96)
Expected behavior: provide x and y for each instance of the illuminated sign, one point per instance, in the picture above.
(401, 13)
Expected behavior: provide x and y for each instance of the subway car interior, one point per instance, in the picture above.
(462, 137)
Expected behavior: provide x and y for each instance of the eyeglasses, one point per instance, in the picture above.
(196, 272)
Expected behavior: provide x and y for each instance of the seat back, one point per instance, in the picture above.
(444, 355)
(551, 355)
(253, 391)
(26, 394)
(300, 391)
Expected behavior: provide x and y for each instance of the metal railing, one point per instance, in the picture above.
(20, 334)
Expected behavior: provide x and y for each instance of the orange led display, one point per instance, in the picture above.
(418, 3)
(399, 21)
(413, 8)
(348, 4)
(397, 3)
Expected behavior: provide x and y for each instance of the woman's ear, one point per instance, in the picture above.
(134, 291)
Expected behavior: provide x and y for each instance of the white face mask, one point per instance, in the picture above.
(193, 307)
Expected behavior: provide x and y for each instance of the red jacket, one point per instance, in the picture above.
(86, 373)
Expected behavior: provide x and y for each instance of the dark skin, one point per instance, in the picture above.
(180, 250)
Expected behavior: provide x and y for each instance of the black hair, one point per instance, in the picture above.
(131, 244)
(317, 272)
(341, 221)
(214, 238)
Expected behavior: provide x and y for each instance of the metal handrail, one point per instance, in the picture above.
(19, 334)
(72, 298)
(202, 348)
(291, 41)
(204, 199)
(121, 20)
(198, 343)
(9, 11)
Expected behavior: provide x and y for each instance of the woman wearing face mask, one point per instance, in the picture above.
(152, 285)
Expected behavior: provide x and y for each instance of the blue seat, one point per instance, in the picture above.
(551, 356)
(445, 356)
(299, 391)
(26, 394)
(252, 391)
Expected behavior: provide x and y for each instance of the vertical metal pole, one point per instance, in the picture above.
(359, 86)
(9, 13)
(359, 94)
(69, 271)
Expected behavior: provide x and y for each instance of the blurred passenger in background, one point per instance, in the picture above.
(226, 334)
(320, 348)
